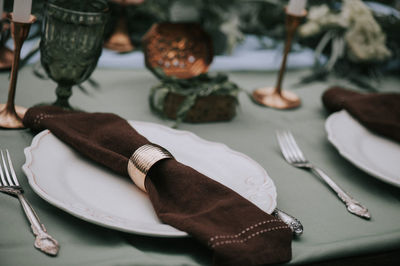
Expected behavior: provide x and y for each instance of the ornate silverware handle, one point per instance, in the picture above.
(352, 205)
(43, 240)
(292, 222)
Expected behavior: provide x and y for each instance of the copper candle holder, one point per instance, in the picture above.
(120, 40)
(275, 97)
(6, 55)
(10, 115)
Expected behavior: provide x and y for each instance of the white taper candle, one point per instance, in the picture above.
(1, 8)
(296, 7)
(22, 10)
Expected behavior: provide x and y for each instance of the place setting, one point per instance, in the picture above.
(167, 179)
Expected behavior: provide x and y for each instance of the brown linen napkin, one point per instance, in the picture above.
(237, 231)
(379, 112)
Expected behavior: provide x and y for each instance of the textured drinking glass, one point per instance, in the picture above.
(71, 45)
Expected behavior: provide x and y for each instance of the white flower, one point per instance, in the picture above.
(366, 42)
(364, 37)
(321, 18)
(318, 12)
(309, 29)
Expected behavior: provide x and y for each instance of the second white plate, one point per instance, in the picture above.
(374, 154)
(69, 181)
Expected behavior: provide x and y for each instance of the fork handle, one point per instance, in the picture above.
(43, 241)
(352, 205)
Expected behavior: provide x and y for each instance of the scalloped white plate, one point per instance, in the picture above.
(74, 184)
(376, 155)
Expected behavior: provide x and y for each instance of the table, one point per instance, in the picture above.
(332, 236)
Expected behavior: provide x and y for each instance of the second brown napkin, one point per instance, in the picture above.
(379, 112)
(236, 230)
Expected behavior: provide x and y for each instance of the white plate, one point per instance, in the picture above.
(374, 154)
(65, 179)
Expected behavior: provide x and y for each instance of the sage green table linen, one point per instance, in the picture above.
(330, 231)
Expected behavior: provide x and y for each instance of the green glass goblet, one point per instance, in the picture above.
(71, 45)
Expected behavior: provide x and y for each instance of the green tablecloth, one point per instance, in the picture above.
(330, 231)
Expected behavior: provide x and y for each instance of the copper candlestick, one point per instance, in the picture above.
(275, 97)
(10, 115)
(6, 55)
(119, 40)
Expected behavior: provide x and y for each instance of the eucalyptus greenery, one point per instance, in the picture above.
(192, 88)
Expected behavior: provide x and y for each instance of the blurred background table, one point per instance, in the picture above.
(332, 236)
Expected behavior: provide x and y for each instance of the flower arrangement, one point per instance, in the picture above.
(350, 36)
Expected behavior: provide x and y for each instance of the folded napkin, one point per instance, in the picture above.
(379, 112)
(237, 231)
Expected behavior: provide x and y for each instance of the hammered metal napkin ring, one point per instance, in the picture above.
(143, 159)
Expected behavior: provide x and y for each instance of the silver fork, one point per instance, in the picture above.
(293, 155)
(9, 184)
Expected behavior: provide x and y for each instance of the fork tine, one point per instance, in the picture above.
(13, 175)
(283, 146)
(289, 149)
(290, 146)
(10, 182)
(3, 180)
(296, 147)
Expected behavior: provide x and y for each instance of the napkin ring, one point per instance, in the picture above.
(143, 159)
